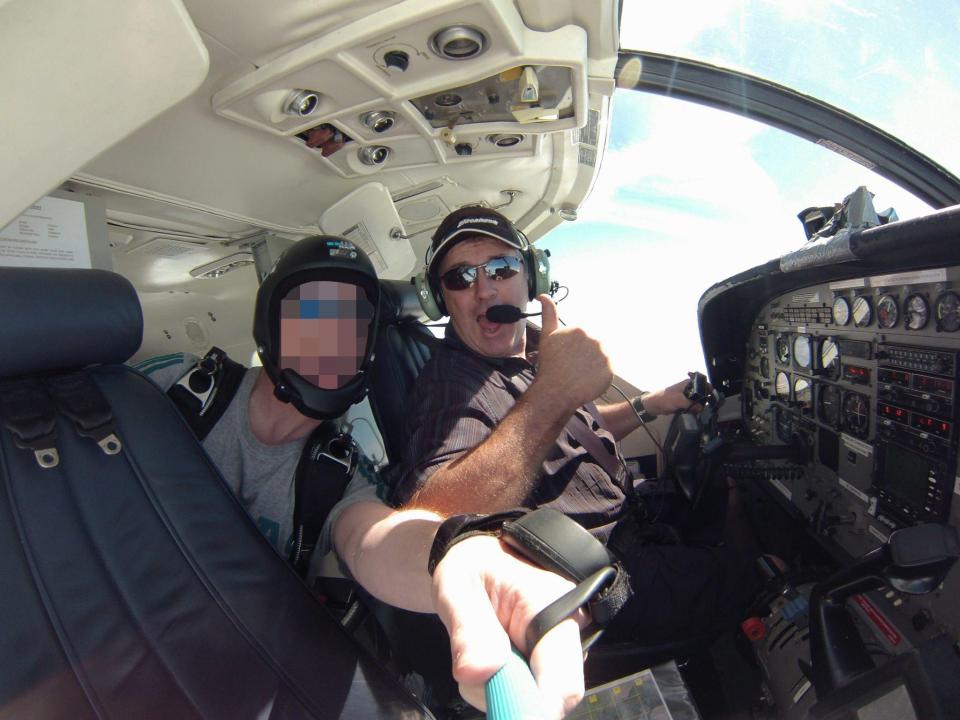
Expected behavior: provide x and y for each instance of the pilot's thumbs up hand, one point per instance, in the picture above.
(549, 317)
(571, 364)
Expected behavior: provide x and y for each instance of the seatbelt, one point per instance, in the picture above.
(78, 398)
(327, 463)
(28, 413)
(598, 450)
(204, 392)
(29, 406)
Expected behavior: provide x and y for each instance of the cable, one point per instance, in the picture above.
(642, 423)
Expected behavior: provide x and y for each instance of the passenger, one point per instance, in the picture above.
(496, 423)
(312, 335)
(314, 316)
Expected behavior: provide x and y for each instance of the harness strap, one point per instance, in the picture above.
(204, 392)
(78, 398)
(598, 450)
(327, 463)
(28, 413)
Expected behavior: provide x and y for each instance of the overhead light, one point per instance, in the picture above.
(379, 120)
(505, 140)
(221, 267)
(374, 155)
(301, 103)
(568, 213)
(458, 42)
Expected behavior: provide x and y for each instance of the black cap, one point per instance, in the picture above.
(472, 221)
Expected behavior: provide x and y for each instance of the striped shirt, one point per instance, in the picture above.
(458, 400)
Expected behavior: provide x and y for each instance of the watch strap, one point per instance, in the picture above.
(636, 402)
(459, 527)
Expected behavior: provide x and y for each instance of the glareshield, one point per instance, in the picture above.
(324, 329)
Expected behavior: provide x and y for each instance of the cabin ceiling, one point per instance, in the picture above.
(227, 161)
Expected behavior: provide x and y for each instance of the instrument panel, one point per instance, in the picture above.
(863, 374)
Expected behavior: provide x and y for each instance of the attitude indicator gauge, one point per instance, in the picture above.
(828, 356)
(888, 312)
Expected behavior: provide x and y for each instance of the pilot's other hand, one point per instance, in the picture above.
(571, 362)
(669, 400)
(483, 594)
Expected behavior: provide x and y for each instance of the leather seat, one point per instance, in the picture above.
(135, 584)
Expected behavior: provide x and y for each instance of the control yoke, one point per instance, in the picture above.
(694, 448)
(915, 561)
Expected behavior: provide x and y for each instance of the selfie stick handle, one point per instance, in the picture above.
(512, 692)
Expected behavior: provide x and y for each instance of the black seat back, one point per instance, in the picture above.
(403, 347)
(134, 584)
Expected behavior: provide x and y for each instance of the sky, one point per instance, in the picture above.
(687, 196)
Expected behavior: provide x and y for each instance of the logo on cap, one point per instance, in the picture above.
(492, 221)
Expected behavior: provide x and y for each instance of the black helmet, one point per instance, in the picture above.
(321, 278)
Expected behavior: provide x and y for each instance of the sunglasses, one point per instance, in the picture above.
(498, 268)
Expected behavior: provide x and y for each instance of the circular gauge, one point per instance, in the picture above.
(802, 352)
(916, 312)
(781, 386)
(841, 311)
(829, 357)
(803, 394)
(782, 349)
(829, 405)
(765, 366)
(856, 414)
(948, 311)
(862, 311)
(888, 312)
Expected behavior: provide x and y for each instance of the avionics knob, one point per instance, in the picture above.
(921, 619)
(933, 406)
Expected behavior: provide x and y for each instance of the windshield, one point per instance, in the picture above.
(688, 195)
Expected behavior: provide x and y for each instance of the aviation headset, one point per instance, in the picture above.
(473, 221)
(322, 257)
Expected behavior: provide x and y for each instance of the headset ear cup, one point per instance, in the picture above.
(538, 262)
(431, 305)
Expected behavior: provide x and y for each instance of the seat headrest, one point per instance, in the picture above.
(63, 318)
(399, 303)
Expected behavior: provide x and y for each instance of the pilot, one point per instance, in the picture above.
(495, 422)
(314, 314)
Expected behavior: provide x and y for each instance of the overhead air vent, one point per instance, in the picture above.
(458, 42)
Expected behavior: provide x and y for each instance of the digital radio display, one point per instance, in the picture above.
(930, 425)
(933, 385)
(856, 374)
(895, 377)
(893, 412)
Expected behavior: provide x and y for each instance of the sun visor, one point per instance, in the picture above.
(368, 218)
(79, 77)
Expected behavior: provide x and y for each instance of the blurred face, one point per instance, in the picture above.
(468, 306)
(324, 326)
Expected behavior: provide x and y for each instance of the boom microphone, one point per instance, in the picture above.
(506, 314)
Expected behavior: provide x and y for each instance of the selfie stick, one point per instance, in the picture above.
(512, 692)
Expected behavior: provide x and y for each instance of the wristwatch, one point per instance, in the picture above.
(637, 404)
